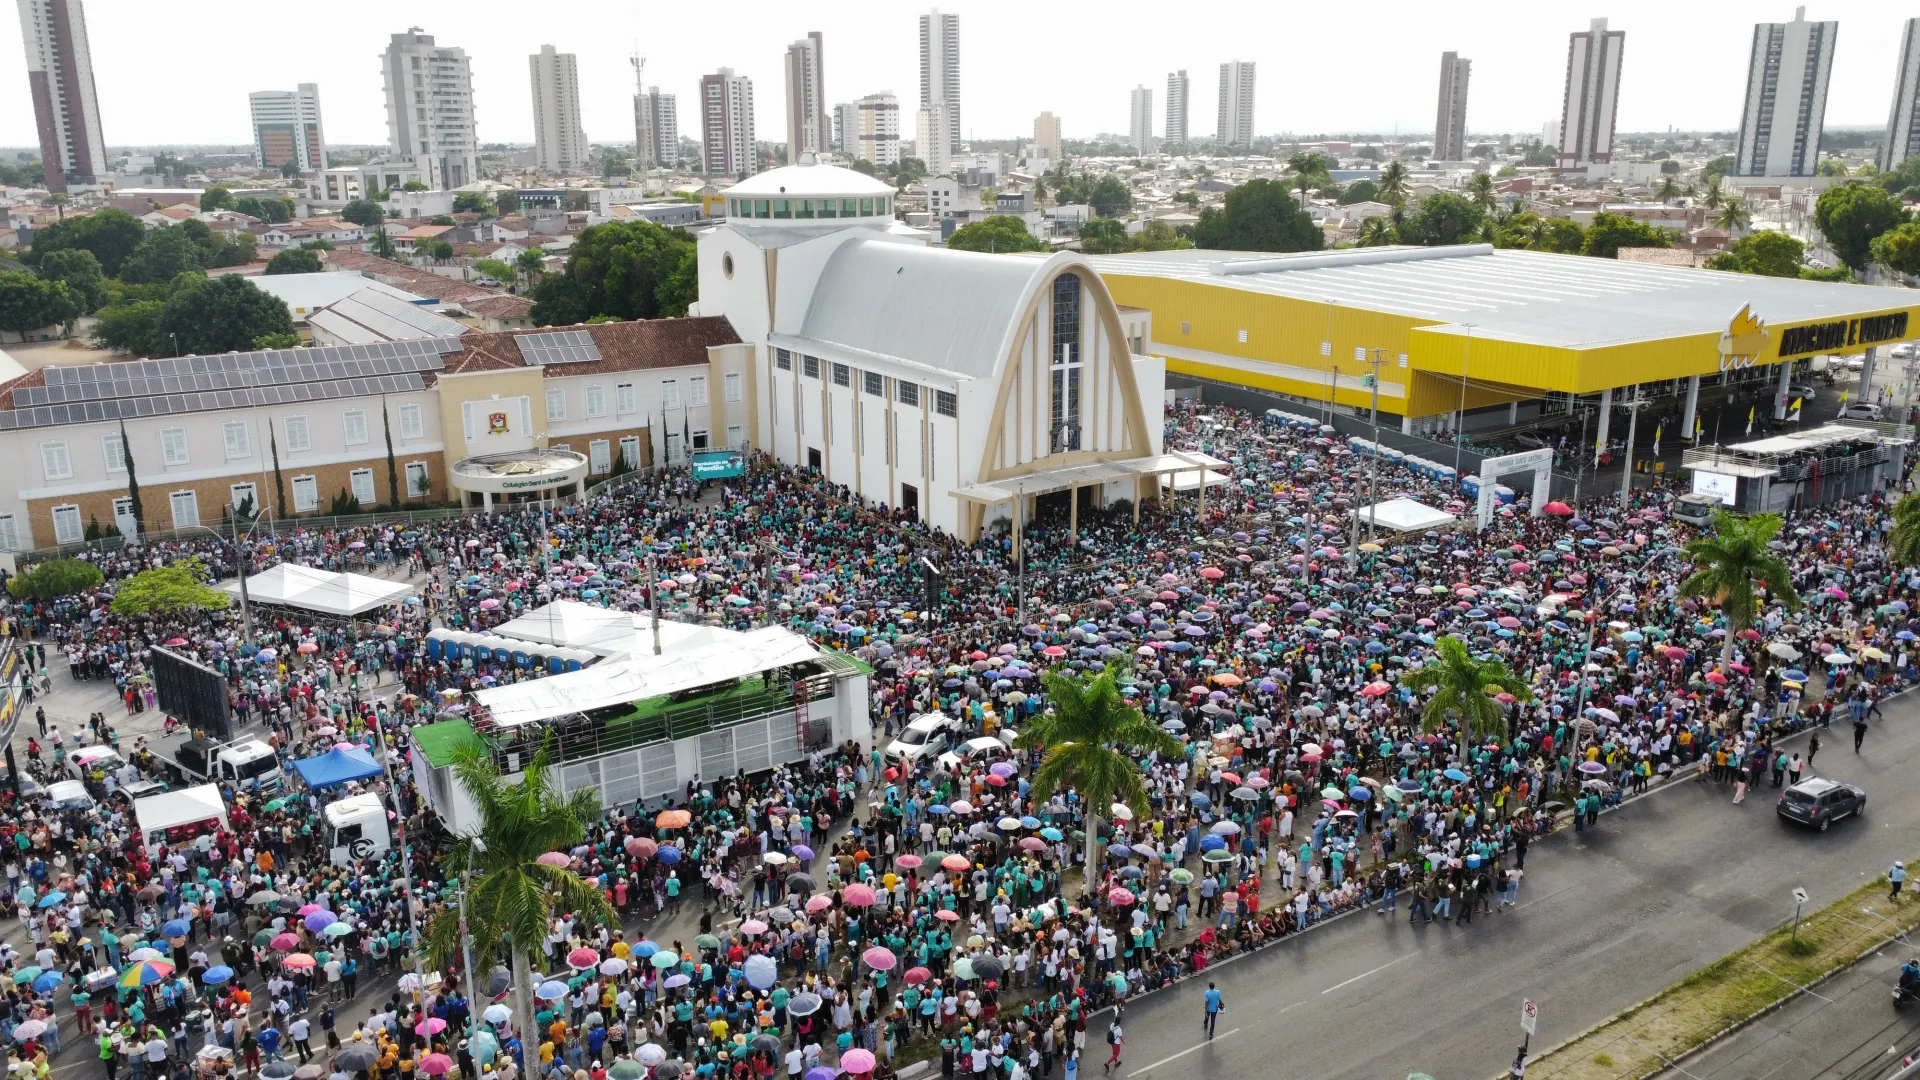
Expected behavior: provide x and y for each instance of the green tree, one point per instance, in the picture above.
(165, 254)
(1851, 215)
(363, 212)
(1611, 232)
(222, 314)
(1442, 219)
(1718, 167)
(1898, 249)
(1903, 541)
(471, 202)
(53, 579)
(279, 481)
(1463, 690)
(1093, 740)
(998, 234)
(1377, 232)
(1729, 563)
(1481, 194)
(1711, 196)
(1530, 231)
(413, 185)
(1109, 196)
(1733, 216)
(1539, 155)
(294, 261)
(1837, 275)
(511, 894)
(1393, 184)
(28, 302)
(136, 509)
(1767, 253)
(277, 340)
(1832, 167)
(441, 219)
(110, 234)
(132, 327)
(1259, 215)
(628, 269)
(1103, 236)
(1157, 236)
(437, 250)
(216, 198)
(502, 272)
(179, 588)
(79, 271)
(1668, 189)
(532, 264)
(507, 203)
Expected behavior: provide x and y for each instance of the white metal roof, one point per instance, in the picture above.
(808, 181)
(727, 654)
(1533, 296)
(369, 315)
(325, 591)
(308, 292)
(947, 310)
(603, 631)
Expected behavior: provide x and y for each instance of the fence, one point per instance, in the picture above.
(273, 526)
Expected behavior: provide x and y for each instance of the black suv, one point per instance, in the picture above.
(1819, 802)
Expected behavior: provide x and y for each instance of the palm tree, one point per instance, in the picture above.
(1463, 689)
(1481, 193)
(1903, 543)
(1730, 562)
(1668, 190)
(1711, 197)
(511, 894)
(1393, 184)
(1093, 738)
(1733, 216)
(1307, 182)
(1376, 232)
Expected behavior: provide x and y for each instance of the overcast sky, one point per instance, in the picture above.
(1322, 67)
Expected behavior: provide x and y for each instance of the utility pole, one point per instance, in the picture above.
(1020, 556)
(1460, 425)
(653, 595)
(1633, 420)
(1378, 357)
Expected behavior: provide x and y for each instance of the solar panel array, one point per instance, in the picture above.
(558, 347)
(186, 384)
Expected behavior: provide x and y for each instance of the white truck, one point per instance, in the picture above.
(357, 828)
(240, 763)
(175, 818)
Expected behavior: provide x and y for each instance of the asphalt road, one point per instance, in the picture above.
(1666, 884)
(1846, 1029)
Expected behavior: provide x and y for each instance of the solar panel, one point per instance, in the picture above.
(558, 347)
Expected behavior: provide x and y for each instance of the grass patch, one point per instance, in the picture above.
(1638, 1041)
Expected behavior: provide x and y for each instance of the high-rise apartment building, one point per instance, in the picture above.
(656, 129)
(1140, 123)
(1592, 95)
(939, 82)
(1450, 120)
(726, 124)
(846, 129)
(933, 138)
(1046, 135)
(1235, 126)
(429, 92)
(1786, 98)
(65, 107)
(559, 140)
(1903, 120)
(809, 124)
(286, 128)
(878, 135)
(1176, 129)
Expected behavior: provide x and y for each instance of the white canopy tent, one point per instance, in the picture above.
(324, 591)
(1404, 515)
(607, 632)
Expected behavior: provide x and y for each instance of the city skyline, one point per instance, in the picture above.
(1685, 70)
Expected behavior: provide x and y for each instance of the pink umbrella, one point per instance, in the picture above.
(297, 960)
(641, 847)
(1032, 843)
(1121, 897)
(582, 958)
(554, 858)
(436, 1064)
(880, 959)
(857, 895)
(818, 904)
(429, 1027)
(955, 862)
(857, 1062)
(947, 916)
(284, 942)
(917, 975)
(308, 909)
(753, 928)
(960, 806)
(908, 862)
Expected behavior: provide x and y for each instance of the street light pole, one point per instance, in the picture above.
(1373, 462)
(653, 596)
(1633, 421)
(1460, 425)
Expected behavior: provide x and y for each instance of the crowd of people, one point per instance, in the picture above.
(853, 908)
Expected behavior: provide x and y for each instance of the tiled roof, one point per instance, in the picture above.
(500, 307)
(411, 278)
(624, 346)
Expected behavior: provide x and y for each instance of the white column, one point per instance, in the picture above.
(1693, 403)
(1406, 425)
(1513, 412)
(1865, 390)
(1780, 398)
(1606, 420)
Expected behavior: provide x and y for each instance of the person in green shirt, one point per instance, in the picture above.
(109, 1057)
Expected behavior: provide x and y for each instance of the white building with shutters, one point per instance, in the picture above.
(947, 385)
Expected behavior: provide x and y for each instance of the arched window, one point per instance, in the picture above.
(1064, 431)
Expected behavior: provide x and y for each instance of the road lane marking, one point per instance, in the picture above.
(1375, 971)
(1188, 1050)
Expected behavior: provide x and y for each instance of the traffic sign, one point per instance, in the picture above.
(1799, 895)
(1529, 1016)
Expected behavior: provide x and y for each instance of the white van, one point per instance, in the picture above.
(928, 735)
(357, 829)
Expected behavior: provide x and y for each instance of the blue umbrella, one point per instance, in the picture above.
(44, 984)
(668, 854)
(551, 990)
(1791, 675)
(1029, 822)
(1202, 800)
(52, 897)
(939, 810)
(1051, 834)
(177, 928)
(216, 975)
(1455, 775)
(1359, 792)
(1212, 843)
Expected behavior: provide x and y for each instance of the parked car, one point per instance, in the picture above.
(982, 748)
(1904, 351)
(1862, 410)
(1820, 802)
(927, 734)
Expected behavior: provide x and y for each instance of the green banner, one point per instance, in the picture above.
(719, 464)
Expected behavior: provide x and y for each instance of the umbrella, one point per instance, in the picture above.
(661, 961)
(651, 1054)
(880, 959)
(278, 1070)
(146, 973)
(217, 975)
(806, 1004)
(356, 1058)
(429, 1027)
(32, 1029)
(627, 1069)
(857, 1061)
(497, 1013)
(554, 989)
(298, 960)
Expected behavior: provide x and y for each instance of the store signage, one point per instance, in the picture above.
(719, 465)
(1843, 334)
(1716, 486)
(1744, 340)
